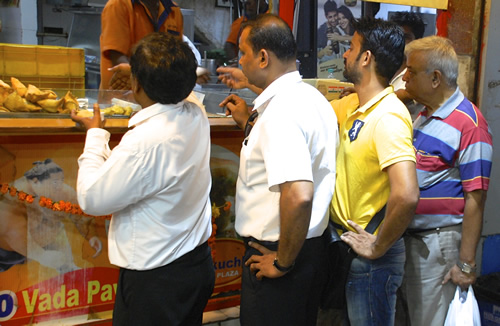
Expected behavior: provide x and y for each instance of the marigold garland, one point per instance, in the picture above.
(60, 206)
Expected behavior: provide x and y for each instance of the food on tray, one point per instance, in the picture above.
(51, 105)
(19, 98)
(34, 94)
(14, 102)
(117, 110)
(5, 90)
(18, 86)
(70, 103)
(85, 113)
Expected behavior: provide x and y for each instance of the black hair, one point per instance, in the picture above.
(329, 6)
(386, 41)
(411, 19)
(346, 12)
(165, 67)
(272, 33)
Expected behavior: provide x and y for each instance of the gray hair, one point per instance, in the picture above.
(440, 55)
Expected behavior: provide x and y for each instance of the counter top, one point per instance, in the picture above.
(36, 126)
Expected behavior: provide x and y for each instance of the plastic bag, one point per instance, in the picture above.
(463, 310)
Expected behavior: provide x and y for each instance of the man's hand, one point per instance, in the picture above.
(361, 242)
(121, 77)
(236, 107)
(263, 265)
(233, 77)
(459, 278)
(88, 123)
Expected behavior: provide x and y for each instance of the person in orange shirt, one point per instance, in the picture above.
(251, 9)
(124, 23)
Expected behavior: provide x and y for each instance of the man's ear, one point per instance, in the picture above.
(366, 57)
(437, 78)
(264, 58)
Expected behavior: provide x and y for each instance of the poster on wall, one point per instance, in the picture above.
(53, 258)
(335, 31)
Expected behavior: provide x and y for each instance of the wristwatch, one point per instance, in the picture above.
(466, 268)
(281, 268)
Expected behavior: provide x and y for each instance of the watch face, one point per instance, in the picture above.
(466, 268)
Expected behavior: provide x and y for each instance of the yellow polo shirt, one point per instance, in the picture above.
(372, 137)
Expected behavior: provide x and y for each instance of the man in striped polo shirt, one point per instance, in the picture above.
(453, 147)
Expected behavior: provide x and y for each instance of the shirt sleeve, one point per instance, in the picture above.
(393, 140)
(115, 28)
(108, 181)
(474, 159)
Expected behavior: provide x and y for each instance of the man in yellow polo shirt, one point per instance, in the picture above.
(375, 167)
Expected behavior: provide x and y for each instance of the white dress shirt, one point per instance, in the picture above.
(294, 139)
(155, 182)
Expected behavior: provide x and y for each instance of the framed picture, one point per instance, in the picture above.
(223, 3)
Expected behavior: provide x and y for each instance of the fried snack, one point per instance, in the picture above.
(51, 105)
(31, 106)
(18, 86)
(70, 103)
(2, 109)
(85, 113)
(34, 94)
(14, 102)
(5, 90)
(4, 84)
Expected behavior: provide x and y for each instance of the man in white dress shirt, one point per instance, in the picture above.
(285, 182)
(156, 183)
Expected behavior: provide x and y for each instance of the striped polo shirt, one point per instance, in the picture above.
(454, 150)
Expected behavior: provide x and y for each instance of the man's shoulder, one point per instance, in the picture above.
(466, 116)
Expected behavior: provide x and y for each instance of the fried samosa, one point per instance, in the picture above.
(34, 94)
(18, 86)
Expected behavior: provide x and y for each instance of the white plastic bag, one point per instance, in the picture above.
(463, 310)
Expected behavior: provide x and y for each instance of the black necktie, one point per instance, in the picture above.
(249, 125)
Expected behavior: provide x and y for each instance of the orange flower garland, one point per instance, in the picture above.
(60, 206)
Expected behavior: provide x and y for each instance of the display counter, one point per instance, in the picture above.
(50, 124)
(53, 271)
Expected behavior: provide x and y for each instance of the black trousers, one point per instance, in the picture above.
(292, 299)
(175, 294)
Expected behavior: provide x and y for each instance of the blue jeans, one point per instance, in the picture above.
(371, 287)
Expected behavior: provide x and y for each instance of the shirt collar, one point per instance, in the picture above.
(151, 111)
(376, 98)
(451, 104)
(279, 84)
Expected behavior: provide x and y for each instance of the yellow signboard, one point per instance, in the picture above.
(438, 4)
